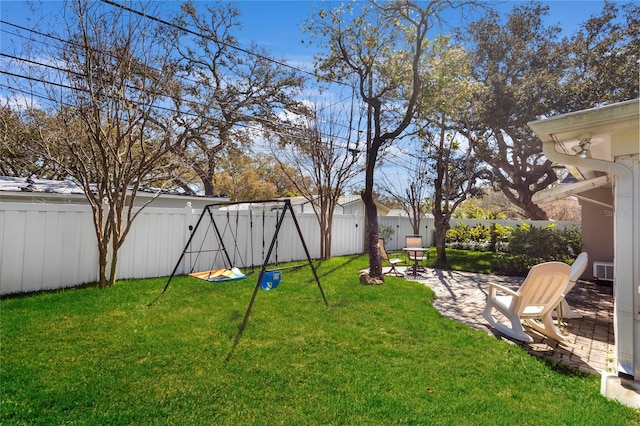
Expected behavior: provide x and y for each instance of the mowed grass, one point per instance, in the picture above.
(484, 262)
(378, 355)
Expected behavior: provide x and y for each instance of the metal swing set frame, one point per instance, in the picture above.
(207, 212)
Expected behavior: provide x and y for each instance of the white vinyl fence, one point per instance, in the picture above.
(49, 246)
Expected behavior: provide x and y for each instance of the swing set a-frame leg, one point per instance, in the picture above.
(207, 210)
(264, 268)
(184, 251)
(306, 251)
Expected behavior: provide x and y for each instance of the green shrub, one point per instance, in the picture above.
(500, 236)
(457, 234)
(480, 233)
(530, 245)
(480, 237)
(523, 247)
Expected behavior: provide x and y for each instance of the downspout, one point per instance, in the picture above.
(624, 299)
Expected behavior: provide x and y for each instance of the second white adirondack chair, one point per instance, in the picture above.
(539, 294)
(577, 269)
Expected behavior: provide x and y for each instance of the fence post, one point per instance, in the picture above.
(188, 228)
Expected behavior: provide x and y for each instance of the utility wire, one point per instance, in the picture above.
(232, 46)
(187, 30)
(187, 113)
(65, 86)
(182, 77)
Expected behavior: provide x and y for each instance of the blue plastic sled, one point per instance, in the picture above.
(270, 280)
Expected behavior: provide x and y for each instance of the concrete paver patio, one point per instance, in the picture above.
(589, 345)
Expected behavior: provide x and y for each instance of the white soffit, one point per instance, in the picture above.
(598, 121)
(569, 189)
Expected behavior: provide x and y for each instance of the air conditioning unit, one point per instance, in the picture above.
(603, 271)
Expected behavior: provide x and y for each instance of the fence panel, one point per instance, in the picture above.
(154, 243)
(12, 225)
(247, 238)
(401, 226)
(347, 236)
(46, 246)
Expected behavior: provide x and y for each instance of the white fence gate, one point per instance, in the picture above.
(48, 246)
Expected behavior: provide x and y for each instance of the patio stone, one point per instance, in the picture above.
(590, 341)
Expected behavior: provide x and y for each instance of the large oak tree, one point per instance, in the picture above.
(385, 46)
(530, 72)
(517, 59)
(602, 59)
(228, 94)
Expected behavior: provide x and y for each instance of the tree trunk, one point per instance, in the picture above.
(325, 236)
(102, 236)
(327, 246)
(533, 210)
(327, 241)
(114, 261)
(441, 223)
(371, 215)
(207, 184)
(415, 222)
(102, 266)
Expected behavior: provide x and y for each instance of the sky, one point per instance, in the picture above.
(275, 24)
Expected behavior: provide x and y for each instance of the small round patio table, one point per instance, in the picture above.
(417, 252)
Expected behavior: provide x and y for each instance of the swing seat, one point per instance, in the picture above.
(270, 280)
(220, 275)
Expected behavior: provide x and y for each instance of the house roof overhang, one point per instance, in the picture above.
(593, 126)
(56, 191)
(582, 142)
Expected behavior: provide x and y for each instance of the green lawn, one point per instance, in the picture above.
(376, 355)
(465, 260)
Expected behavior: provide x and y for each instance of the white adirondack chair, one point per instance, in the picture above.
(533, 303)
(578, 267)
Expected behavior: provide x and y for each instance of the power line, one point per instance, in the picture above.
(65, 86)
(393, 161)
(178, 27)
(182, 77)
(186, 30)
(61, 85)
(31, 30)
(222, 42)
